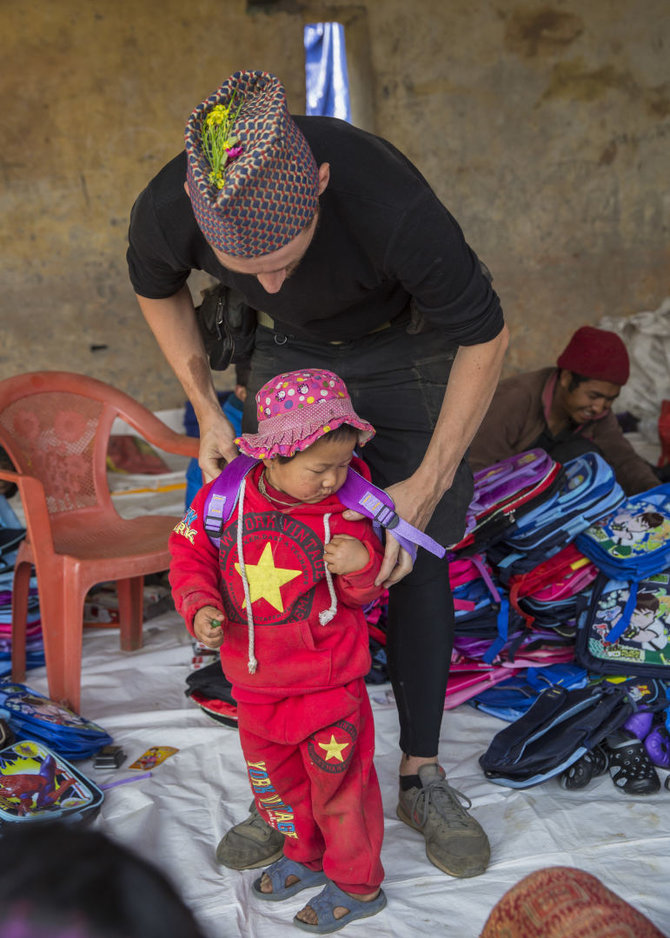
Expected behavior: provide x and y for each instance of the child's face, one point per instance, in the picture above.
(317, 472)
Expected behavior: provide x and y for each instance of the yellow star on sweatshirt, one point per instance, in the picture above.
(265, 580)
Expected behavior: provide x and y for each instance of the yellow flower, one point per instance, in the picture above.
(217, 115)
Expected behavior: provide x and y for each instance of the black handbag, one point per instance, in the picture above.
(227, 325)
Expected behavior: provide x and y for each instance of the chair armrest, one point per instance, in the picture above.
(154, 431)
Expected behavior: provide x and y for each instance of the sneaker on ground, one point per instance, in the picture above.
(455, 842)
(250, 844)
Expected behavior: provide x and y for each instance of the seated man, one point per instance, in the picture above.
(566, 411)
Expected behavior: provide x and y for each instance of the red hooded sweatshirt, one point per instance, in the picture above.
(287, 585)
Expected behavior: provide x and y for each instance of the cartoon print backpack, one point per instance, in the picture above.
(31, 715)
(37, 784)
(633, 541)
(504, 490)
(624, 628)
(356, 493)
(588, 490)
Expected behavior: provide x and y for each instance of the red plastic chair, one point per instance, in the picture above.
(55, 427)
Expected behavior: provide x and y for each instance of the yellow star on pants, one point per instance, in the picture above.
(334, 749)
(266, 580)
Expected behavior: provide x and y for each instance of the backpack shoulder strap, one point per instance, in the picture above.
(360, 495)
(223, 495)
(356, 493)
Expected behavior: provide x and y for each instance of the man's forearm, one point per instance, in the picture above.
(472, 382)
(173, 323)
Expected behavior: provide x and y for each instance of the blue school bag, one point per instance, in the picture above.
(559, 728)
(37, 784)
(33, 716)
(513, 697)
(588, 491)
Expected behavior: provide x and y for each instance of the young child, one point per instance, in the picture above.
(282, 599)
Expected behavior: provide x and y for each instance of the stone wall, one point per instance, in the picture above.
(542, 126)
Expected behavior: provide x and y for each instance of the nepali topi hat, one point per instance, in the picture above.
(268, 188)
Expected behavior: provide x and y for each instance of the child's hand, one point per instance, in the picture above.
(208, 626)
(345, 554)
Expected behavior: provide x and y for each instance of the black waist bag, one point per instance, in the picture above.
(227, 325)
(560, 727)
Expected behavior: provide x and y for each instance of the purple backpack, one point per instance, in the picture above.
(503, 491)
(356, 493)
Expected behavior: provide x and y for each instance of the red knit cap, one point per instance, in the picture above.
(597, 354)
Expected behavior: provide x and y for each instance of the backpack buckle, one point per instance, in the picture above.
(387, 517)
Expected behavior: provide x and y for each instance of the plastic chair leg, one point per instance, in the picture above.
(62, 620)
(131, 612)
(21, 585)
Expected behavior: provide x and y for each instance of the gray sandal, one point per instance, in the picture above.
(279, 871)
(328, 900)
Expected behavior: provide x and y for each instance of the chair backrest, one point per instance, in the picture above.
(56, 427)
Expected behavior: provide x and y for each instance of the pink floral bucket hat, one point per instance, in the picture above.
(296, 409)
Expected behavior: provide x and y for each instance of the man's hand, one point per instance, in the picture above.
(414, 506)
(208, 626)
(217, 445)
(345, 554)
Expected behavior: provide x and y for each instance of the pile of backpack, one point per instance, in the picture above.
(562, 573)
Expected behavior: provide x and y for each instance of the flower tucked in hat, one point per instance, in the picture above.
(296, 409)
(597, 354)
(268, 189)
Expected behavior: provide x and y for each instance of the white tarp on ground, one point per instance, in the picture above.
(177, 816)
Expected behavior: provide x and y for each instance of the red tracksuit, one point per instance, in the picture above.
(304, 716)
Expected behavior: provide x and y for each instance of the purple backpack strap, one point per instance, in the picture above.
(356, 493)
(223, 494)
(375, 503)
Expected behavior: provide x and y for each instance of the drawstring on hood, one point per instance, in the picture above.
(325, 616)
(253, 663)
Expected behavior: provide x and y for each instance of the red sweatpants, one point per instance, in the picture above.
(310, 764)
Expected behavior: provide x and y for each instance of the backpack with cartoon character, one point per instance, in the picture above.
(624, 628)
(33, 716)
(633, 541)
(37, 784)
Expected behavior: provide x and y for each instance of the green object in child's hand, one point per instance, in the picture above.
(216, 623)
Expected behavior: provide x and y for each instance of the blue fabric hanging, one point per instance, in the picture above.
(326, 71)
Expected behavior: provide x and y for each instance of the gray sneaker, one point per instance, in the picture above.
(455, 842)
(250, 844)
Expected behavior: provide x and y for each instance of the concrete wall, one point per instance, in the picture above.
(541, 125)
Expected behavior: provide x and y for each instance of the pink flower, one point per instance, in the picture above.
(232, 153)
